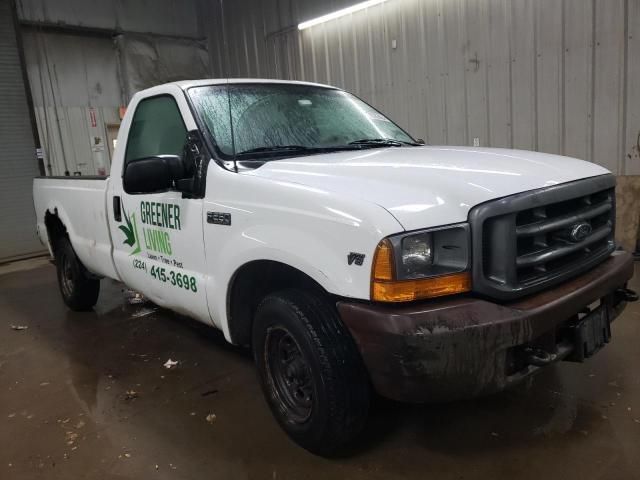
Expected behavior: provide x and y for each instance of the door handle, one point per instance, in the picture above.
(117, 209)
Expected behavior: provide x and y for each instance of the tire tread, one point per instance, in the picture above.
(86, 289)
(347, 389)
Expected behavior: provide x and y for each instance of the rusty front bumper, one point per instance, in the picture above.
(462, 347)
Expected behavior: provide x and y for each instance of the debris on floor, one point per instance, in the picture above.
(142, 356)
(19, 327)
(130, 395)
(133, 297)
(143, 312)
(211, 417)
(170, 364)
(71, 437)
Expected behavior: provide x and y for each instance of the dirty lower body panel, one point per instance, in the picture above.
(464, 347)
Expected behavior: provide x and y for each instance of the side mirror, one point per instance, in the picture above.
(152, 174)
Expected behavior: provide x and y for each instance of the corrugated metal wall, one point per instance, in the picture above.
(162, 17)
(78, 83)
(559, 76)
(86, 58)
(74, 84)
(18, 163)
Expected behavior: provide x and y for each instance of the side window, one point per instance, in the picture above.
(157, 129)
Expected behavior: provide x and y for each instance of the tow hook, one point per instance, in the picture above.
(626, 295)
(538, 357)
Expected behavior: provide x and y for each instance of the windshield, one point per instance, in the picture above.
(268, 118)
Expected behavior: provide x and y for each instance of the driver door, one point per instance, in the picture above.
(158, 246)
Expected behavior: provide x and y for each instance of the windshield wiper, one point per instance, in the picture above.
(357, 144)
(283, 149)
(382, 142)
(276, 149)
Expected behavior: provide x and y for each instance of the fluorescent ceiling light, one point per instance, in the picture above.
(339, 13)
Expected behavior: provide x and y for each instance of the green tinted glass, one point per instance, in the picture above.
(157, 129)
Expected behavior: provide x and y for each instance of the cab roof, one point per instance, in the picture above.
(185, 84)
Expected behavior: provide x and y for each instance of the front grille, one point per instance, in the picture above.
(529, 241)
(543, 234)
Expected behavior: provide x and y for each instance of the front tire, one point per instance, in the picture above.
(311, 371)
(79, 291)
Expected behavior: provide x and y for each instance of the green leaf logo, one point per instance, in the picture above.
(130, 231)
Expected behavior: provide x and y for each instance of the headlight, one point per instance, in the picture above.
(424, 264)
(416, 255)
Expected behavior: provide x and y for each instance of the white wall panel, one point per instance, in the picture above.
(434, 62)
(549, 40)
(578, 79)
(608, 87)
(499, 74)
(524, 85)
(72, 70)
(554, 75)
(79, 81)
(476, 56)
(455, 48)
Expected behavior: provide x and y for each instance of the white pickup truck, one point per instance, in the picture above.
(350, 257)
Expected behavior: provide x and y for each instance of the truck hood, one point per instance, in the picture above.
(428, 186)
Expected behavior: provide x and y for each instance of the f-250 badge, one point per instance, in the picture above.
(357, 258)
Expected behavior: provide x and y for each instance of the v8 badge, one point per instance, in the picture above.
(357, 258)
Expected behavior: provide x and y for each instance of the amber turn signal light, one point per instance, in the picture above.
(384, 287)
(383, 262)
(409, 290)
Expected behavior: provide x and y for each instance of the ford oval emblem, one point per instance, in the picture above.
(579, 232)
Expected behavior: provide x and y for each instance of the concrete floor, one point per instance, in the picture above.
(64, 410)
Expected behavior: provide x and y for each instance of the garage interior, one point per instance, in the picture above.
(85, 395)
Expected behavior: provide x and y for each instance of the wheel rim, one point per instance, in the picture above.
(289, 373)
(67, 276)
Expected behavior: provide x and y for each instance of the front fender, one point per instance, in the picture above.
(310, 230)
(326, 263)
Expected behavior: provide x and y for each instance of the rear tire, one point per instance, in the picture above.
(311, 371)
(79, 291)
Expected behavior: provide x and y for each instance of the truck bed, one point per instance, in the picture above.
(80, 204)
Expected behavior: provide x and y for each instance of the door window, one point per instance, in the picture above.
(157, 129)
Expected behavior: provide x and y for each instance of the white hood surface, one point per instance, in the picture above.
(429, 186)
